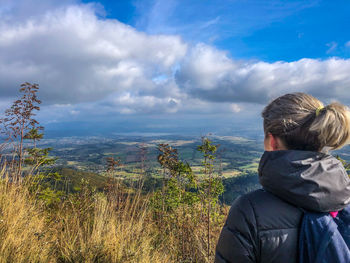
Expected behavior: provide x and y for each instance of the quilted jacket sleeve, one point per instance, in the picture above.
(238, 239)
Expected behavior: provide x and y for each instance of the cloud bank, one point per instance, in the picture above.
(91, 64)
(76, 57)
(209, 74)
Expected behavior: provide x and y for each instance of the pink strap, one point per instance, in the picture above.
(334, 214)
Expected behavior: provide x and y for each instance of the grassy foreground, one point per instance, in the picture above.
(118, 226)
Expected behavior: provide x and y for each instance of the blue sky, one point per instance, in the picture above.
(264, 30)
(197, 63)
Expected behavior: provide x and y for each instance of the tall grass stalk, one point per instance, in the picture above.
(24, 235)
(94, 227)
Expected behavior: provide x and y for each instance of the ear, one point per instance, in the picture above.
(273, 142)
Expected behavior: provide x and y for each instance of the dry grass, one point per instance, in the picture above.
(93, 227)
(107, 233)
(24, 236)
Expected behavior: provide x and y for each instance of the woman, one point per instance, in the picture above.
(295, 173)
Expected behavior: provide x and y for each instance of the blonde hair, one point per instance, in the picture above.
(303, 123)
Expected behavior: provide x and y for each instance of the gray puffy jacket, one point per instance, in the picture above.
(263, 226)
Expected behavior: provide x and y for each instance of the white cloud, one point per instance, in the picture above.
(209, 74)
(332, 46)
(128, 104)
(347, 44)
(235, 108)
(88, 66)
(17, 11)
(77, 57)
(74, 112)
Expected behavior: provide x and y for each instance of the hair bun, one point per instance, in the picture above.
(303, 123)
(333, 126)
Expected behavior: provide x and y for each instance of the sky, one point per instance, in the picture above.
(170, 65)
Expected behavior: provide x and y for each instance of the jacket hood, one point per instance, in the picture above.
(310, 180)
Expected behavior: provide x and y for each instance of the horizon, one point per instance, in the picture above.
(151, 66)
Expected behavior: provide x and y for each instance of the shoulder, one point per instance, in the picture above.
(260, 226)
(265, 211)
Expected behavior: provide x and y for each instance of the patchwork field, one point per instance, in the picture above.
(235, 155)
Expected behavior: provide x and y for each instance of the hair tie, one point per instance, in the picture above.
(318, 110)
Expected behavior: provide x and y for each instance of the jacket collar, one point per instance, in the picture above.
(310, 180)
